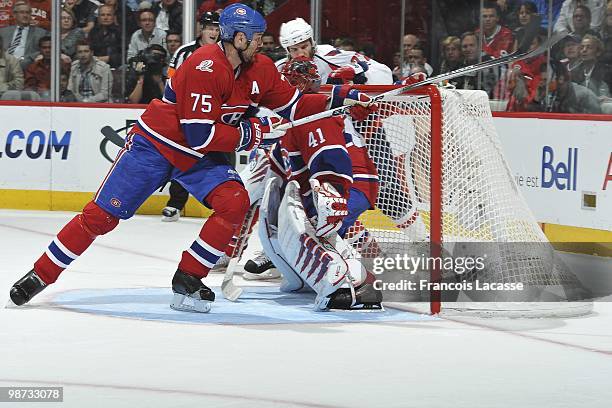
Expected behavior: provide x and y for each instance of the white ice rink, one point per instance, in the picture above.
(105, 333)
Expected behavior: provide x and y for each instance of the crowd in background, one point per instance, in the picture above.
(114, 54)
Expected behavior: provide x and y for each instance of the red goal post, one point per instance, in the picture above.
(443, 181)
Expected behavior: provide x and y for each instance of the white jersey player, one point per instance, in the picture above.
(334, 66)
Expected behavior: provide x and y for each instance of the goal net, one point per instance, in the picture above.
(447, 195)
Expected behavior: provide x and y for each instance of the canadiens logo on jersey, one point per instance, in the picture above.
(205, 66)
(241, 11)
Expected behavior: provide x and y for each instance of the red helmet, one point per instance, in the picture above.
(302, 73)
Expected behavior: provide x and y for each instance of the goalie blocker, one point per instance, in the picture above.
(328, 266)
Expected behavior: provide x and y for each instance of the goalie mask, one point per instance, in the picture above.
(302, 73)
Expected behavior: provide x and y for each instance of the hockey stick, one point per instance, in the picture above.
(230, 291)
(518, 55)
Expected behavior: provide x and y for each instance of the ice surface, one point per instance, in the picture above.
(87, 333)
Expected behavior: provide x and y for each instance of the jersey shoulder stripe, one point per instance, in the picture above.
(182, 53)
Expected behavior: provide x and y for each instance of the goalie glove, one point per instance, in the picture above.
(331, 208)
(345, 95)
(255, 132)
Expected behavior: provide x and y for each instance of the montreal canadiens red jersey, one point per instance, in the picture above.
(323, 150)
(205, 100)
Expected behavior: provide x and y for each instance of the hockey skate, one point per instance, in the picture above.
(26, 288)
(170, 214)
(190, 294)
(364, 298)
(260, 268)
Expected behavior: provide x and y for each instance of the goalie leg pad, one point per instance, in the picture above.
(268, 235)
(315, 260)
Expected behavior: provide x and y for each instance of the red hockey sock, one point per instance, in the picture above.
(72, 241)
(229, 251)
(230, 202)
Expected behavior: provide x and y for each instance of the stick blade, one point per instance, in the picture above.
(230, 291)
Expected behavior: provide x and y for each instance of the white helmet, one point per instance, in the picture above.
(294, 32)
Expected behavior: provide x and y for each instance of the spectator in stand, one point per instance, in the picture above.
(525, 12)
(591, 73)
(410, 41)
(150, 70)
(38, 74)
(41, 14)
(90, 79)
(565, 96)
(70, 34)
(173, 42)
(105, 38)
(169, 15)
(582, 22)
(270, 48)
(416, 56)
(147, 35)
(523, 79)
(451, 54)
(498, 40)
(22, 39)
(85, 13)
(11, 74)
(566, 21)
(267, 42)
(130, 19)
(66, 94)
(470, 52)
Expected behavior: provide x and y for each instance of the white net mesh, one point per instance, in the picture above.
(480, 200)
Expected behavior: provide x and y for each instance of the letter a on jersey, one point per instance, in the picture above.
(254, 88)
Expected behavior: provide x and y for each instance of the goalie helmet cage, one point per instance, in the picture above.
(444, 181)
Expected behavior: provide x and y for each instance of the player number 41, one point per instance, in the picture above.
(312, 138)
(200, 100)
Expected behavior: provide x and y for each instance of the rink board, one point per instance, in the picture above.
(257, 305)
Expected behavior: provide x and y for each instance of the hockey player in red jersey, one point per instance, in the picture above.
(182, 137)
(328, 158)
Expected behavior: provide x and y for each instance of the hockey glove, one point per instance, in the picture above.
(345, 95)
(255, 132)
(331, 208)
(342, 75)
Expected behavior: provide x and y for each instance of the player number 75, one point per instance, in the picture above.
(202, 100)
